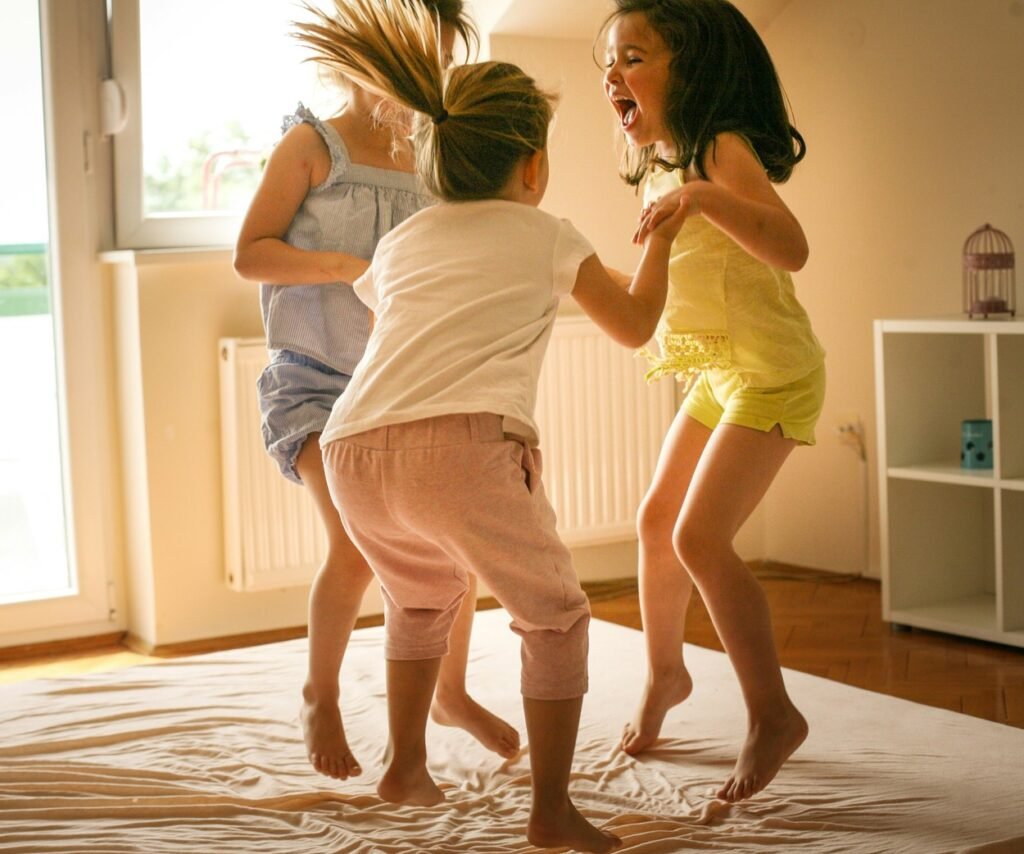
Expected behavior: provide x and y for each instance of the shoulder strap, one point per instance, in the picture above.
(340, 159)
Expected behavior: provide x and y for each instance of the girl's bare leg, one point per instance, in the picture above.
(452, 704)
(551, 727)
(665, 586)
(334, 602)
(405, 779)
(736, 469)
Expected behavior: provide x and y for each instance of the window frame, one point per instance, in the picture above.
(73, 48)
(134, 229)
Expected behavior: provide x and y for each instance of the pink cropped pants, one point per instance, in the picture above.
(429, 501)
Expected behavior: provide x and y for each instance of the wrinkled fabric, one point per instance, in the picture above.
(205, 754)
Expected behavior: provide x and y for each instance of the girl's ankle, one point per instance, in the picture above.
(318, 695)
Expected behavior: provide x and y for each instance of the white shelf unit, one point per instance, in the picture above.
(952, 538)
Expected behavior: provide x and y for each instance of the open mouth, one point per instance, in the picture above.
(627, 110)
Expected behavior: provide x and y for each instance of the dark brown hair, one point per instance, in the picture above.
(721, 79)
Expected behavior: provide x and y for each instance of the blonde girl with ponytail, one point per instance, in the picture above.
(432, 453)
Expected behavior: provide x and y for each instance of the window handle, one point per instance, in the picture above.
(113, 107)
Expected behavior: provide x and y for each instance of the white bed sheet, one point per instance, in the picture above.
(204, 754)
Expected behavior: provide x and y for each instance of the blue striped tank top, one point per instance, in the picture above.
(349, 212)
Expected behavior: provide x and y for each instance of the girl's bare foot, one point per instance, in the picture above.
(324, 734)
(770, 742)
(408, 782)
(560, 825)
(663, 691)
(461, 710)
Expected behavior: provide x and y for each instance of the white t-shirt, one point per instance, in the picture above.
(464, 294)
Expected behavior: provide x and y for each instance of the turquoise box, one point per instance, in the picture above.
(976, 444)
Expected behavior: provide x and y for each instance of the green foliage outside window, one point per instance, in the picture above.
(23, 270)
(177, 186)
(215, 175)
(23, 281)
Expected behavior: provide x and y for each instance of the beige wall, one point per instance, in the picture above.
(914, 120)
(170, 311)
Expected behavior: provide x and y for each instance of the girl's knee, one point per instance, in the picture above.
(698, 548)
(655, 520)
(345, 561)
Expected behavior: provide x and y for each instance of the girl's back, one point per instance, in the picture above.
(464, 295)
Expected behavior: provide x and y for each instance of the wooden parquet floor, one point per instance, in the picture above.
(826, 625)
(832, 626)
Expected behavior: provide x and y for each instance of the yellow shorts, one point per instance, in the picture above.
(719, 397)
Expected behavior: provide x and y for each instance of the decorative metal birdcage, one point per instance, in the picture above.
(989, 287)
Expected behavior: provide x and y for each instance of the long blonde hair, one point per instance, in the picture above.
(473, 122)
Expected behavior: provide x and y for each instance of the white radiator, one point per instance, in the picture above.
(273, 536)
(601, 426)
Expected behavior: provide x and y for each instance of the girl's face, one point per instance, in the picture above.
(636, 80)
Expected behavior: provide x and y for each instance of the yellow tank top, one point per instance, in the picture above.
(727, 309)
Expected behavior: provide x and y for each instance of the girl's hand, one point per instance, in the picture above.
(666, 216)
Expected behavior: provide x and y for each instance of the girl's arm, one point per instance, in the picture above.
(740, 200)
(623, 280)
(630, 315)
(299, 162)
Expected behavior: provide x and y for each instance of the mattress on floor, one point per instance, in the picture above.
(204, 754)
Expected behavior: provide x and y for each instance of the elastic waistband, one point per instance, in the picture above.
(459, 429)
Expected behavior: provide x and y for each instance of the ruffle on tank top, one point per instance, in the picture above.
(339, 154)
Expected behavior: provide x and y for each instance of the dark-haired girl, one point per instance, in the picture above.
(705, 119)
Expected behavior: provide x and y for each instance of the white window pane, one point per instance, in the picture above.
(217, 76)
(23, 165)
(33, 554)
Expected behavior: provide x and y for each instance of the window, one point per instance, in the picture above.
(33, 555)
(206, 85)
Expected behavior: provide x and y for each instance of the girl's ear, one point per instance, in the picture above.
(531, 170)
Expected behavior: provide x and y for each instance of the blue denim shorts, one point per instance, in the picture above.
(296, 395)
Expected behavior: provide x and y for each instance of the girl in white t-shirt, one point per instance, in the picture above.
(431, 452)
